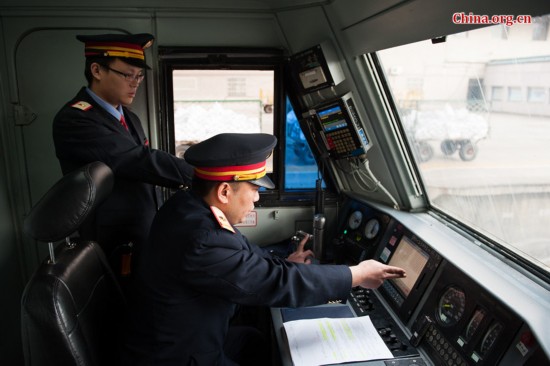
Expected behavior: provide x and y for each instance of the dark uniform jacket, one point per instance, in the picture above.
(84, 132)
(196, 272)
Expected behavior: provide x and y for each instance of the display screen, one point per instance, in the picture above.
(332, 118)
(412, 259)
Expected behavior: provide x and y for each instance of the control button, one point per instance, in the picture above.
(527, 339)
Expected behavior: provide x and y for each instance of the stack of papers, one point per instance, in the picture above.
(325, 341)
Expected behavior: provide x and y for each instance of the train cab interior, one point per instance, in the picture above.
(411, 132)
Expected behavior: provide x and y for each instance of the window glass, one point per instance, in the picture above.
(497, 93)
(208, 102)
(536, 95)
(479, 127)
(540, 28)
(514, 94)
(301, 170)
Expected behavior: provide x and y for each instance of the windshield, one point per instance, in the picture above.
(476, 112)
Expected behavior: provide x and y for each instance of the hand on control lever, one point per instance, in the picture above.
(300, 255)
(371, 274)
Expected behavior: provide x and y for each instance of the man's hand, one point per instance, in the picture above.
(301, 255)
(371, 274)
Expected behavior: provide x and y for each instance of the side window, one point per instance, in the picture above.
(243, 93)
(209, 102)
(301, 169)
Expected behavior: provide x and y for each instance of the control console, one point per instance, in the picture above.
(364, 302)
(462, 324)
(437, 311)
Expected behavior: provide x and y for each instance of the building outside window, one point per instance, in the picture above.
(514, 94)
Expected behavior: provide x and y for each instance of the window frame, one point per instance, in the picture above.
(234, 58)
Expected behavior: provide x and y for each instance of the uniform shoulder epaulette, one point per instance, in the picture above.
(222, 220)
(82, 105)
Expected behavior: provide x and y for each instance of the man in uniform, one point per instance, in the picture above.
(97, 125)
(199, 267)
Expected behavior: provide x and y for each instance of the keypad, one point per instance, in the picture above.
(341, 141)
(443, 348)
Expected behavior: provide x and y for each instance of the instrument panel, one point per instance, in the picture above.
(359, 235)
(462, 323)
(450, 308)
(450, 316)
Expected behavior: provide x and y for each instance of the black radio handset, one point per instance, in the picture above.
(318, 232)
(319, 223)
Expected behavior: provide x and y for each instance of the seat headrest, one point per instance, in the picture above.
(66, 205)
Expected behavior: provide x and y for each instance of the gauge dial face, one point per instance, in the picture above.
(451, 306)
(355, 220)
(372, 227)
(490, 337)
(474, 323)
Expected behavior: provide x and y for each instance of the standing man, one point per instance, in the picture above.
(199, 266)
(97, 125)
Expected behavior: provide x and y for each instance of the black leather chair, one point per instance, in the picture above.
(72, 307)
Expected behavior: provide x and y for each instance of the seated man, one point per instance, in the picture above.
(199, 267)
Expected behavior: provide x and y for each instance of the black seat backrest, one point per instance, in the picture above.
(72, 307)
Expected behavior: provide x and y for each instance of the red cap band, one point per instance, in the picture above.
(114, 49)
(232, 173)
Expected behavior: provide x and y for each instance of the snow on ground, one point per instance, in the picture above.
(196, 123)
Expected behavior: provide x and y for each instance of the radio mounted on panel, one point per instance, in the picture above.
(316, 68)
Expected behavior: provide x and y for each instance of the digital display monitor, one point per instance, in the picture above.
(332, 118)
(412, 259)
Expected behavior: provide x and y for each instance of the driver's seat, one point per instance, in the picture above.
(72, 307)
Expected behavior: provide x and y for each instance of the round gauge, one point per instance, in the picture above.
(474, 323)
(490, 337)
(451, 306)
(355, 220)
(372, 227)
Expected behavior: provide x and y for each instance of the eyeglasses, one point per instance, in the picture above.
(128, 77)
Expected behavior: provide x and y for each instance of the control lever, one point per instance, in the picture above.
(319, 248)
(300, 234)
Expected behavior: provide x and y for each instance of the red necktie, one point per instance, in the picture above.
(123, 122)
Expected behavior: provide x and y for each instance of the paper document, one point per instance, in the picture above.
(325, 341)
